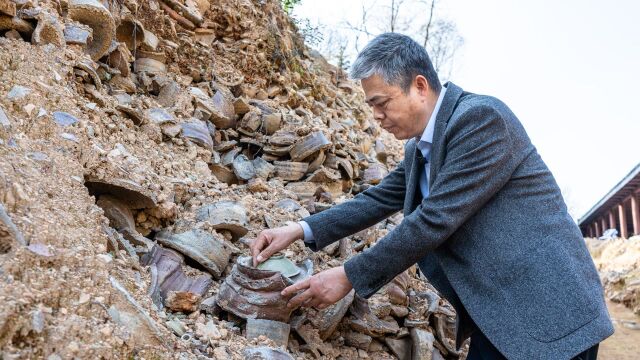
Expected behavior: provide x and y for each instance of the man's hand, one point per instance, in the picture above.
(271, 241)
(322, 289)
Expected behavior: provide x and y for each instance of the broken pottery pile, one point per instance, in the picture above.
(144, 143)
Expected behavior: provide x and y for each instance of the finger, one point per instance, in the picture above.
(300, 299)
(290, 290)
(266, 253)
(256, 247)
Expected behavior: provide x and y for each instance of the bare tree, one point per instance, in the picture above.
(419, 19)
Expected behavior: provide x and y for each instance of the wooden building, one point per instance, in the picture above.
(619, 209)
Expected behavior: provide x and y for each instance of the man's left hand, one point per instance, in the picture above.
(321, 290)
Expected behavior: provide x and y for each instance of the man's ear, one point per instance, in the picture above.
(422, 85)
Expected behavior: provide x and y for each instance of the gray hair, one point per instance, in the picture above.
(397, 59)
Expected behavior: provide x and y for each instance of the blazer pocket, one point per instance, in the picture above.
(547, 292)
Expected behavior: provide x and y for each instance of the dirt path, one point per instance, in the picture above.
(624, 344)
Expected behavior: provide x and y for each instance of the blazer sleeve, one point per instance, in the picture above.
(366, 209)
(477, 164)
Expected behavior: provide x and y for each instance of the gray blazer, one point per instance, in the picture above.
(493, 236)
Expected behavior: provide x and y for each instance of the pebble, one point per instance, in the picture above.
(70, 137)
(18, 92)
(64, 119)
(4, 119)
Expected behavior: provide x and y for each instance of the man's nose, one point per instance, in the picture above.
(378, 115)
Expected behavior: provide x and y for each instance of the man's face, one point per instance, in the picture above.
(405, 115)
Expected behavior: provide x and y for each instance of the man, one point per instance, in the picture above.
(483, 218)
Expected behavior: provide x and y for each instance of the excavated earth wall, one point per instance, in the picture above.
(142, 145)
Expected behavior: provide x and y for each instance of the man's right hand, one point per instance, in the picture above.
(271, 241)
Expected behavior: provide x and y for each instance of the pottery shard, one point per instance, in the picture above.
(167, 275)
(401, 348)
(309, 145)
(149, 65)
(210, 252)
(96, 16)
(274, 330)
(198, 132)
(223, 174)
(243, 168)
(323, 175)
(366, 322)
(119, 215)
(290, 170)
(331, 316)
(422, 344)
(253, 293)
(265, 353)
(222, 110)
(227, 215)
(120, 58)
(374, 174)
(8, 7)
(129, 192)
(130, 31)
(241, 106)
(48, 31)
(15, 23)
(358, 340)
(77, 34)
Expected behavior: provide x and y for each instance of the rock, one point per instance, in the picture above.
(176, 326)
(208, 331)
(9, 233)
(209, 251)
(7, 7)
(183, 301)
(98, 18)
(262, 168)
(226, 215)
(274, 330)
(243, 168)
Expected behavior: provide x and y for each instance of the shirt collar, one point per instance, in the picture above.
(427, 135)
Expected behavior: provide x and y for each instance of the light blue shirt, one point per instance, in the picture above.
(423, 144)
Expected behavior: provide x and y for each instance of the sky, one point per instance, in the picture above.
(568, 69)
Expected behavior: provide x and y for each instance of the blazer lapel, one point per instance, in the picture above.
(447, 107)
(412, 155)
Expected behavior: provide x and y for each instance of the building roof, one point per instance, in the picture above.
(621, 191)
